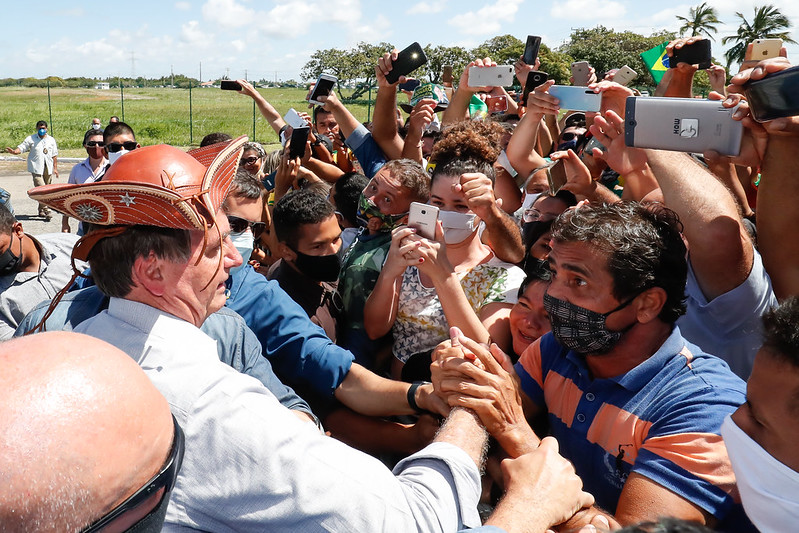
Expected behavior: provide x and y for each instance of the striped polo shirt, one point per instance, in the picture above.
(661, 419)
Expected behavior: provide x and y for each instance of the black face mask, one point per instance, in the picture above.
(318, 267)
(9, 263)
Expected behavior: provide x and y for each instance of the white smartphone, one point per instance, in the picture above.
(423, 218)
(765, 49)
(682, 125)
(294, 119)
(625, 75)
(499, 76)
(323, 86)
(581, 72)
(576, 98)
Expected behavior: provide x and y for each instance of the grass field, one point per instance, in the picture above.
(156, 115)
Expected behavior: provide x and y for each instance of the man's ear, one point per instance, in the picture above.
(286, 253)
(650, 303)
(148, 273)
(17, 230)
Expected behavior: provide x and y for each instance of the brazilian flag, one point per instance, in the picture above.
(656, 61)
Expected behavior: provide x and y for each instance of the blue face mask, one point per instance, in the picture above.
(42, 132)
(562, 147)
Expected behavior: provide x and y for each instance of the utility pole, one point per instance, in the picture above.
(245, 74)
(172, 74)
(227, 73)
(132, 66)
(201, 71)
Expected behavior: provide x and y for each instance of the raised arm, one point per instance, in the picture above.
(458, 108)
(384, 119)
(267, 110)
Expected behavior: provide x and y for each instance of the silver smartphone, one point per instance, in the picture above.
(581, 72)
(323, 86)
(499, 76)
(624, 75)
(765, 49)
(423, 218)
(576, 98)
(682, 125)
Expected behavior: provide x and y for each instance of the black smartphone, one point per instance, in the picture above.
(697, 53)
(407, 61)
(229, 85)
(409, 85)
(534, 79)
(774, 96)
(298, 139)
(322, 87)
(531, 49)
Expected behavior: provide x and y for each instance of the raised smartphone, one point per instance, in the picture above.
(765, 49)
(294, 119)
(497, 103)
(407, 61)
(531, 49)
(323, 86)
(499, 76)
(576, 98)
(581, 72)
(229, 85)
(697, 53)
(299, 137)
(423, 218)
(682, 125)
(625, 75)
(446, 75)
(775, 96)
(534, 79)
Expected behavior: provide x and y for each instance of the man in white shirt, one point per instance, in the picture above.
(42, 159)
(90, 169)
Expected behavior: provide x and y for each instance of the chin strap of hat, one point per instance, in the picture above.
(221, 260)
(80, 252)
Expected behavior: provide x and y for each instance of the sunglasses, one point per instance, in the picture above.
(154, 492)
(127, 145)
(249, 160)
(238, 225)
(568, 136)
(92, 144)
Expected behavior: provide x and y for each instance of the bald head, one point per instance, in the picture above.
(82, 429)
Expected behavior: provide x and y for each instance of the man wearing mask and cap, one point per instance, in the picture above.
(32, 269)
(119, 139)
(91, 168)
(160, 247)
(42, 159)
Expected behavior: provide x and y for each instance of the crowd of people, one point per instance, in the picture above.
(586, 336)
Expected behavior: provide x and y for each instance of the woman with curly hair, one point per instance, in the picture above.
(428, 285)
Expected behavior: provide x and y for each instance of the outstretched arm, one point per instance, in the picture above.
(267, 110)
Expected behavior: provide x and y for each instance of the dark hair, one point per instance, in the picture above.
(536, 275)
(112, 258)
(532, 231)
(41, 123)
(91, 133)
(297, 208)
(245, 185)
(214, 138)
(116, 128)
(643, 245)
(468, 146)
(113, 117)
(7, 220)
(781, 330)
(319, 109)
(410, 174)
(667, 525)
(347, 191)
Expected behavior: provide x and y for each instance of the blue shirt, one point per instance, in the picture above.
(661, 419)
(366, 151)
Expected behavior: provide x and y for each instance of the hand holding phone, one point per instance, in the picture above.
(423, 218)
(694, 53)
(496, 103)
(299, 138)
(229, 85)
(407, 61)
(531, 49)
(581, 73)
(496, 76)
(534, 79)
(775, 96)
(323, 86)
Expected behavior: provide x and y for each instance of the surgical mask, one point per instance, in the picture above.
(368, 210)
(42, 132)
(244, 244)
(505, 163)
(582, 330)
(9, 263)
(95, 126)
(769, 489)
(457, 226)
(113, 156)
(319, 267)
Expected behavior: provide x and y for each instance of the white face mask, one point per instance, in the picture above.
(95, 126)
(769, 489)
(457, 226)
(529, 200)
(244, 243)
(505, 163)
(113, 156)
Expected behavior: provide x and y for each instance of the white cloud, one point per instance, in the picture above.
(288, 19)
(378, 30)
(594, 10)
(488, 19)
(239, 45)
(227, 13)
(182, 6)
(190, 33)
(426, 8)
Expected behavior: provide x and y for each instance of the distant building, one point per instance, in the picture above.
(208, 84)
(103, 85)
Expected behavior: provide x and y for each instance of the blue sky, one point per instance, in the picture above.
(274, 38)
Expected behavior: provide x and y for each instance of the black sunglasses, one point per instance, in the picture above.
(127, 145)
(238, 224)
(160, 485)
(92, 144)
(568, 136)
(249, 160)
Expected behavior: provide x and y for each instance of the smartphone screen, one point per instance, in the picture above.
(407, 61)
(299, 137)
(323, 86)
(531, 49)
(229, 85)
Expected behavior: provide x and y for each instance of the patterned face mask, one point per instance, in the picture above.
(367, 209)
(582, 330)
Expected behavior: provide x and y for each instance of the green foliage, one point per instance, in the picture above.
(768, 23)
(503, 49)
(556, 64)
(351, 67)
(438, 56)
(701, 19)
(606, 49)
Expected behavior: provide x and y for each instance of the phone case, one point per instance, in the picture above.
(774, 96)
(581, 72)
(765, 49)
(697, 53)
(323, 86)
(682, 125)
(531, 49)
(294, 119)
(576, 98)
(407, 61)
(499, 76)
(229, 85)
(298, 139)
(423, 217)
(497, 104)
(625, 75)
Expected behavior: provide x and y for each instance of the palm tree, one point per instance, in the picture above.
(701, 19)
(768, 23)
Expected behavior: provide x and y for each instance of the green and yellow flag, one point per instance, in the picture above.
(656, 61)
